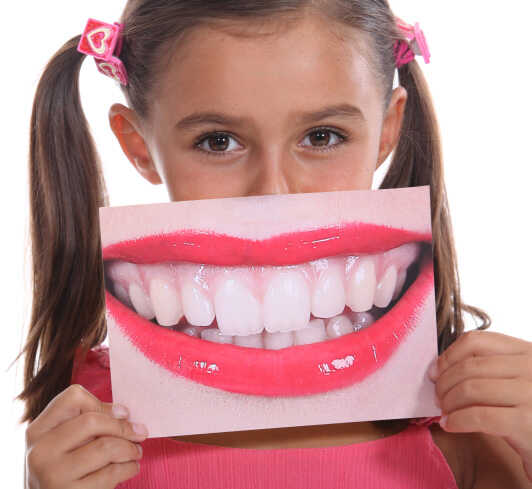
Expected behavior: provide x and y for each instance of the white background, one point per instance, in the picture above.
(479, 76)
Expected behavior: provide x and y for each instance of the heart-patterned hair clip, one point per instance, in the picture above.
(104, 42)
(414, 43)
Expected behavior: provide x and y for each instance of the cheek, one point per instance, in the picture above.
(344, 175)
(351, 169)
(186, 181)
(188, 176)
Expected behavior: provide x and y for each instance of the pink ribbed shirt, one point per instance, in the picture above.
(407, 460)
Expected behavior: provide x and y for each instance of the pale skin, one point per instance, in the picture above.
(271, 82)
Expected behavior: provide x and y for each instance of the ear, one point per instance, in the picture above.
(127, 129)
(391, 126)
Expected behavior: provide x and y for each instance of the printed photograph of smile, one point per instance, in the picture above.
(254, 309)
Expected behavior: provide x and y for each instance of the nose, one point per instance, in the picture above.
(271, 178)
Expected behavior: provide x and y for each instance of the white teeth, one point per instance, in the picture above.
(122, 274)
(216, 336)
(313, 333)
(251, 341)
(361, 285)
(122, 271)
(166, 302)
(122, 294)
(276, 341)
(339, 326)
(238, 312)
(386, 287)
(401, 277)
(197, 307)
(286, 302)
(264, 306)
(328, 298)
(140, 301)
(362, 320)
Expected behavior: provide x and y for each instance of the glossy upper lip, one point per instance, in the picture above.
(207, 247)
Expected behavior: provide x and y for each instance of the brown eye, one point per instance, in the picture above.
(216, 143)
(320, 138)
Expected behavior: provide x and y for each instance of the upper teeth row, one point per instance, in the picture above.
(247, 300)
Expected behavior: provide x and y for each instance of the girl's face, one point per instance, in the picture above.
(296, 111)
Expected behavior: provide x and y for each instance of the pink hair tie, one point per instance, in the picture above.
(104, 42)
(413, 44)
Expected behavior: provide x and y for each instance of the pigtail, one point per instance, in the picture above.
(418, 161)
(66, 190)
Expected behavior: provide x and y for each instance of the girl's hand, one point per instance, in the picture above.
(76, 443)
(484, 384)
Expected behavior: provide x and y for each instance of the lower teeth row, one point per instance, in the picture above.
(316, 331)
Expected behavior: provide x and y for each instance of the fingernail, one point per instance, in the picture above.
(140, 449)
(433, 370)
(443, 421)
(120, 411)
(140, 429)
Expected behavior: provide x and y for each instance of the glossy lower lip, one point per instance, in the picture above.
(294, 371)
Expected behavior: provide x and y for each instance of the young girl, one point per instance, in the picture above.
(234, 98)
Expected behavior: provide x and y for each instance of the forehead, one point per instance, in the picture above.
(273, 65)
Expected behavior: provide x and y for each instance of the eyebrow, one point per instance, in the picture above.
(340, 110)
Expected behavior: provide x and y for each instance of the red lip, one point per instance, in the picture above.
(284, 249)
(295, 371)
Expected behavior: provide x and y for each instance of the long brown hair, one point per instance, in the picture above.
(67, 187)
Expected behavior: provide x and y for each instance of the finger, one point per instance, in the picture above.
(76, 432)
(487, 392)
(493, 366)
(99, 453)
(497, 421)
(109, 476)
(68, 404)
(481, 343)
